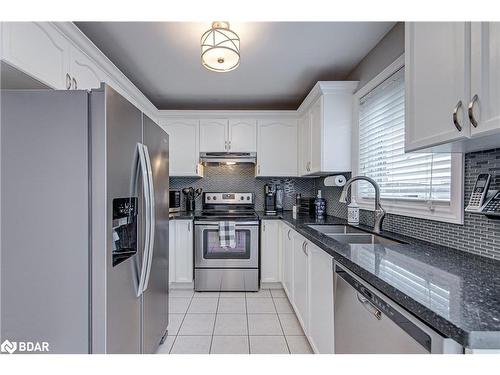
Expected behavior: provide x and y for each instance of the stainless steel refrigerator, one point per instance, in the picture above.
(84, 222)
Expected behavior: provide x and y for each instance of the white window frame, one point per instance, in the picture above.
(450, 212)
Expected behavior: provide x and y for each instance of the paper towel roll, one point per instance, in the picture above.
(338, 180)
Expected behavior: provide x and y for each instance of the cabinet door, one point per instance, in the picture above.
(436, 79)
(304, 145)
(485, 76)
(183, 251)
(287, 260)
(37, 49)
(243, 135)
(84, 72)
(316, 146)
(184, 146)
(171, 251)
(300, 275)
(320, 329)
(270, 254)
(277, 148)
(213, 135)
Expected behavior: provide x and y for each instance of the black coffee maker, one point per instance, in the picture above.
(269, 199)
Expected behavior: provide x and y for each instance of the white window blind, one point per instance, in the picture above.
(414, 176)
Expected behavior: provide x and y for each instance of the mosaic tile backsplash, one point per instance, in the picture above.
(241, 178)
(478, 235)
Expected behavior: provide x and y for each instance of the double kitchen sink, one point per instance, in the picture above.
(349, 235)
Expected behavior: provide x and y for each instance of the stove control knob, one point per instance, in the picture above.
(215, 198)
(248, 198)
(208, 198)
(242, 198)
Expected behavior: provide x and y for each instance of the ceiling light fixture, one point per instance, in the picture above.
(220, 48)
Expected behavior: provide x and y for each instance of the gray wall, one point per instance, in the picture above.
(390, 47)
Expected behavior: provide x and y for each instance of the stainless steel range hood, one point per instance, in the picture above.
(228, 157)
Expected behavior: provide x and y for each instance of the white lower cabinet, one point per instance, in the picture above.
(287, 259)
(320, 328)
(300, 276)
(307, 278)
(270, 265)
(181, 251)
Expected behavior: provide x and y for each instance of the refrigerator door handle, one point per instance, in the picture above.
(147, 204)
(152, 220)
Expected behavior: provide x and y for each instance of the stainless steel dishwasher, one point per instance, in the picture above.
(367, 322)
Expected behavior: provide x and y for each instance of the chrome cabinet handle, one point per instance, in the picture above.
(304, 248)
(225, 145)
(470, 111)
(288, 234)
(68, 81)
(229, 145)
(75, 84)
(369, 307)
(308, 166)
(455, 116)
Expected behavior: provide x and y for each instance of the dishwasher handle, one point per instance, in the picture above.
(369, 307)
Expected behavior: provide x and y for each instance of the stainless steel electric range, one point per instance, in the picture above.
(220, 268)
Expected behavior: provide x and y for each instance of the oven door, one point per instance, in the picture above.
(209, 253)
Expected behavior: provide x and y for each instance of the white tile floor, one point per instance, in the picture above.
(261, 322)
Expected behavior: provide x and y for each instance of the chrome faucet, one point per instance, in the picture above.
(379, 211)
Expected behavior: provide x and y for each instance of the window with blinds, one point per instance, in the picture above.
(412, 176)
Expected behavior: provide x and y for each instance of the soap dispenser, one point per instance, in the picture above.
(353, 212)
(320, 204)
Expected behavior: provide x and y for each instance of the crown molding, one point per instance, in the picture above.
(325, 88)
(81, 41)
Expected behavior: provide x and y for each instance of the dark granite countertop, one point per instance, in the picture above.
(182, 215)
(454, 292)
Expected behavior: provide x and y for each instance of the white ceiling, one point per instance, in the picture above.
(280, 61)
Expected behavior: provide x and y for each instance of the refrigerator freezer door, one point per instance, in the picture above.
(116, 309)
(155, 297)
(44, 210)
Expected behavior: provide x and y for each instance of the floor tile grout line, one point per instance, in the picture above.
(180, 326)
(215, 322)
(248, 325)
(281, 326)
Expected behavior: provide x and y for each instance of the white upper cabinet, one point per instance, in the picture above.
(222, 135)
(242, 135)
(38, 50)
(304, 145)
(452, 74)
(325, 128)
(277, 148)
(85, 74)
(437, 86)
(315, 121)
(184, 149)
(485, 77)
(213, 135)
